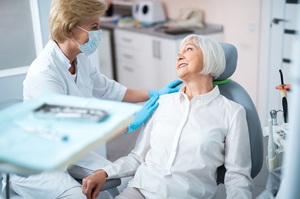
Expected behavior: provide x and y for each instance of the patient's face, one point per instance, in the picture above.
(189, 61)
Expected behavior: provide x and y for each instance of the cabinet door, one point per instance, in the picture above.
(105, 54)
(134, 60)
(165, 60)
(145, 61)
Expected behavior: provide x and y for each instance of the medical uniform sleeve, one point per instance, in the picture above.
(105, 88)
(127, 166)
(238, 181)
(36, 85)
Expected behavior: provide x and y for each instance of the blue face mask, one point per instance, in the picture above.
(91, 46)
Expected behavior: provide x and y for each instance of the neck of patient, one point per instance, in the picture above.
(198, 86)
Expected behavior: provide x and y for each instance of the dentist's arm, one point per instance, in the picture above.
(133, 95)
(143, 115)
(149, 107)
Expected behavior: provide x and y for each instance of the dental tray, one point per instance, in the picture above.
(53, 131)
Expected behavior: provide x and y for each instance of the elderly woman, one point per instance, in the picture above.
(188, 137)
(63, 67)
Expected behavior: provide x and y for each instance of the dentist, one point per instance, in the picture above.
(63, 67)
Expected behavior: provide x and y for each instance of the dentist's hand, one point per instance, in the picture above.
(143, 115)
(170, 88)
(92, 185)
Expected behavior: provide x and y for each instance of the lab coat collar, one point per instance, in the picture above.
(59, 55)
(204, 98)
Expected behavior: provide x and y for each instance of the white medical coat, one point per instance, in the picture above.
(180, 148)
(49, 72)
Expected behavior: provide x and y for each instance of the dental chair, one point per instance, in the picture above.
(235, 92)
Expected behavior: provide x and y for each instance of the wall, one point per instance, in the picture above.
(44, 9)
(11, 89)
(17, 59)
(241, 21)
(17, 34)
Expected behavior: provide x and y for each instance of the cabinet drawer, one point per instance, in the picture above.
(136, 75)
(131, 40)
(130, 54)
(144, 61)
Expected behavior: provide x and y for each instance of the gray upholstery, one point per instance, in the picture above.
(235, 92)
(231, 56)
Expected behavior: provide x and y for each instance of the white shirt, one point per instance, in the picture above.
(180, 148)
(50, 73)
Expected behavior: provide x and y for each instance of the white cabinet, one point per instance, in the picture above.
(144, 61)
(105, 54)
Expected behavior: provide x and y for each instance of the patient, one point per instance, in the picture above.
(188, 137)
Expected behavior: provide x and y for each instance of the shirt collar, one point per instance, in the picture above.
(204, 98)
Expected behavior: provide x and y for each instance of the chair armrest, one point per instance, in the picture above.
(111, 183)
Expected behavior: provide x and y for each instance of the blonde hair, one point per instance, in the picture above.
(64, 14)
(214, 62)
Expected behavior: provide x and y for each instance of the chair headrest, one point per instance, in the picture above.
(231, 56)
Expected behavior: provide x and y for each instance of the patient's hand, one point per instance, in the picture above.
(92, 185)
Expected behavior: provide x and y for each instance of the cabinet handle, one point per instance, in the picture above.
(128, 68)
(154, 48)
(277, 20)
(128, 40)
(158, 50)
(127, 56)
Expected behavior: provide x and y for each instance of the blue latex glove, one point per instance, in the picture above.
(143, 115)
(170, 88)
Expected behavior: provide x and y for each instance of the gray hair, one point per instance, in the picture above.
(214, 62)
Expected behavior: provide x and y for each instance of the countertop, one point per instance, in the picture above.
(158, 30)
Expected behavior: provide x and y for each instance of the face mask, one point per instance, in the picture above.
(91, 46)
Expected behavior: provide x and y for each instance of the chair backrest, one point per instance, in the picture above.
(235, 92)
